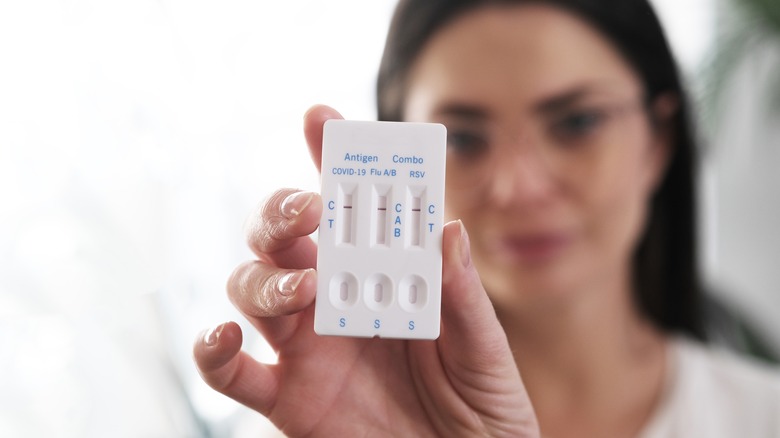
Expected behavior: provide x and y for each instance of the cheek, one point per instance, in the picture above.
(453, 206)
(617, 202)
(462, 205)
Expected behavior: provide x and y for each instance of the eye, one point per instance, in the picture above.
(466, 143)
(577, 125)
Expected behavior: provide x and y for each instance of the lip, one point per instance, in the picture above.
(534, 248)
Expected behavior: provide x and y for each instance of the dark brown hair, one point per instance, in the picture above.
(665, 269)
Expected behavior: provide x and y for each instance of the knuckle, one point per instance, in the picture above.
(267, 299)
(253, 289)
(272, 237)
(235, 282)
(265, 231)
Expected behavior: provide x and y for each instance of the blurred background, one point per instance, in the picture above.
(137, 135)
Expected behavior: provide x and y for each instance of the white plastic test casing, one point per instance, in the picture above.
(379, 259)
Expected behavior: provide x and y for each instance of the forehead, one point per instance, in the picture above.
(516, 53)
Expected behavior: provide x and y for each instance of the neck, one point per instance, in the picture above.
(592, 366)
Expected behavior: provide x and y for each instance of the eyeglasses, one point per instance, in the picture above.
(570, 143)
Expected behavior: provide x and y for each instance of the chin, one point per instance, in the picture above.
(525, 285)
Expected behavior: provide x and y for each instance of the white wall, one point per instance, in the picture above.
(744, 158)
(135, 137)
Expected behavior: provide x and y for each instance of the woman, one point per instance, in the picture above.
(570, 163)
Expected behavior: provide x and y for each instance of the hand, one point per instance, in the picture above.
(465, 383)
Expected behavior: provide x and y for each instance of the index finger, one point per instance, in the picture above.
(313, 120)
(281, 238)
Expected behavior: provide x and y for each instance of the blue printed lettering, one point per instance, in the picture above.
(407, 160)
(343, 171)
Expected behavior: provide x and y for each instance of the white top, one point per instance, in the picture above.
(713, 393)
(710, 393)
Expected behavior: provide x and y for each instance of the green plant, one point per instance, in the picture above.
(747, 28)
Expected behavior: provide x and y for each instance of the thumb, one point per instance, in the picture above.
(469, 323)
(473, 346)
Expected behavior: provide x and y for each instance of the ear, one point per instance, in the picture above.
(662, 136)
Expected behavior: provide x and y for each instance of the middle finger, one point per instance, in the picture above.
(272, 298)
(279, 231)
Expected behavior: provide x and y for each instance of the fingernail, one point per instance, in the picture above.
(211, 338)
(465, 246)
(290, 281)
(294, 204)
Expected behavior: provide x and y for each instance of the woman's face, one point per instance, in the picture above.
(551, 156)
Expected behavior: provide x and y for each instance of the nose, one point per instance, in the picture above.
(520, 179)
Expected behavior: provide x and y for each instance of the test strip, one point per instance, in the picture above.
(416, 221)
(348, 211)
(380, 216)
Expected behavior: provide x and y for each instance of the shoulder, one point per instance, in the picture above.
(750, 375)
(726, 373)
(713, 392)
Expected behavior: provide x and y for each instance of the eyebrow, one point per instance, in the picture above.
(463, 110)
(563, 100)
(547, 105)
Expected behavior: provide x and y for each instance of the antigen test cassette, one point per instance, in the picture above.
(379, 260)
